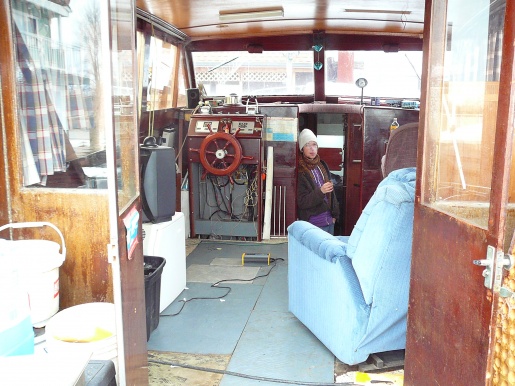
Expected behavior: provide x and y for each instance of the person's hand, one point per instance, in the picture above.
(327, 187)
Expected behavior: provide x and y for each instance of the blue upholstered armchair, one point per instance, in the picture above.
(352, 292)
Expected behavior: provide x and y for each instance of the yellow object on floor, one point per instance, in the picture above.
(387, 378)
(95, 335)
(362, 377)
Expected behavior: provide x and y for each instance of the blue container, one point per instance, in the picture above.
(17, 339)
(16, 333)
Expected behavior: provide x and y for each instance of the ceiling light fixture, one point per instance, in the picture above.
(250, 14)
(358, 10)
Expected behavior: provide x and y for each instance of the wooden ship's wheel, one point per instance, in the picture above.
(220, 153)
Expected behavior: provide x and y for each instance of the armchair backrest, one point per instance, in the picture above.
(401, 151)
(382, 237)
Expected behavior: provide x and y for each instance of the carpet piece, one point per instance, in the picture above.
(206, 326)
(214, 273)
(230, 261)
(206, 251)
(276, 345)
(164, 374)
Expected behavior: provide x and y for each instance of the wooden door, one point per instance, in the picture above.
(333, 157)
(461, 193)
(353, 171)
(122, 156)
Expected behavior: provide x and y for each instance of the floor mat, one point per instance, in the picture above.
(206, 251)
(165, 374)
(214, 273)
(231, 261)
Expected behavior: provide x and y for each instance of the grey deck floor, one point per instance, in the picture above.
(251, 325)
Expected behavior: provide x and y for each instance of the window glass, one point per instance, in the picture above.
(463, 94)
(389, 74)
(59, 93)
(243, 73)
(123, 64)
(161, 72)
(182, 100)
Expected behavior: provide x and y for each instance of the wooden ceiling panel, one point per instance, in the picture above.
(199, 19)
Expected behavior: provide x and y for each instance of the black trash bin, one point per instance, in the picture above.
(153, 267)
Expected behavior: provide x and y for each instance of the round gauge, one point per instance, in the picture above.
(361, 82)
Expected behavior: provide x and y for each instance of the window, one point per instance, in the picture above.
(58, 79)
(161, 74)
(242, 73)
(463, 95)
(389, 74)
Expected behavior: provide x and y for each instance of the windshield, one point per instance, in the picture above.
(242, 73)
(389, 74)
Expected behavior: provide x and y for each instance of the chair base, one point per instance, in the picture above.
(389, 360)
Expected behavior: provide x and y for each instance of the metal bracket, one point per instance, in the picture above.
(493, 280)
(489, 264)
(252, 109)
(112, 253)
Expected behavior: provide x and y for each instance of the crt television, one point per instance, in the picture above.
(157, 173)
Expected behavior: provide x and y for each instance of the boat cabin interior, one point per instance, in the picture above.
(151, 159)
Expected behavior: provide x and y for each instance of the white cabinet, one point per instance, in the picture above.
(167, 239)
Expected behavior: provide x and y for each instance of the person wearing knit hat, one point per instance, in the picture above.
(306, 136)
(316, 200)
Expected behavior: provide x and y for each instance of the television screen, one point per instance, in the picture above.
(157, 166)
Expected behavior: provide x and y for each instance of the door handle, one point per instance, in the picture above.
(493, 280)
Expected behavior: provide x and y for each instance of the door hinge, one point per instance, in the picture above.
(112, 252)
(493, 280)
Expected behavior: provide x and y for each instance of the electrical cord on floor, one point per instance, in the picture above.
(184, 301)
(253, 377)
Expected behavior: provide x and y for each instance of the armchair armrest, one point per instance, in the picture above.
(317, 241)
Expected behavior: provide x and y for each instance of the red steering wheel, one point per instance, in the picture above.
(220, 153)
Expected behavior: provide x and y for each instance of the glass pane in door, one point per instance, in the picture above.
(124, 85)
(461, 112)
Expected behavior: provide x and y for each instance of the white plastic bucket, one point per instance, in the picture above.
(85, 328)
(38, 262)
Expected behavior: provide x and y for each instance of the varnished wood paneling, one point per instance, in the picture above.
(134, 309)
(305, 42)
(376, 133)
(7, 107)
(83, 218)
(353, 160)
(200, 19)
(442, 309)
(332, 156)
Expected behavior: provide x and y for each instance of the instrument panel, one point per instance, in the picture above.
(248, 125)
